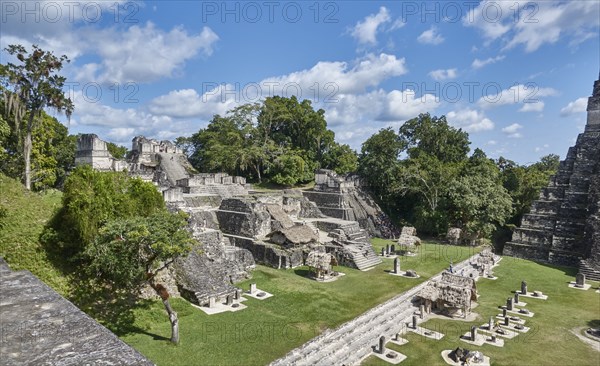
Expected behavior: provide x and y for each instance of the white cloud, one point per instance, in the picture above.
(340, 88)
(537, 106)
(398, 23)
(98, 114)
(369, 71)
(579, 105)
(365, 31)
(188, 103)
(441, 74)
(492, 142)
(527, 94)
(533, 24)
(378, 105)
(470, 120)
(512, 131)
(121, 133)
(146, 53)
(477, 63)
(430, 36)
(403, 105)
(541, 148)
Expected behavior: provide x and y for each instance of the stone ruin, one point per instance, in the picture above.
(343, 197)
(93, 151)
(320, 264)
(563, 226)
(40, 327)
(452, 294)
(409, 240)
(453, 235)
(238, 227)
(466, 357)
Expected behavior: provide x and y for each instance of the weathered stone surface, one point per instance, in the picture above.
(40, 327)
(344, 198)
(409, 240)
(93, 151)
(294, 236)
(244, 216)
(562, 226)
(453, 235)
(211, 268)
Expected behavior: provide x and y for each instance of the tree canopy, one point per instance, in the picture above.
(282, 139)
(28, 88)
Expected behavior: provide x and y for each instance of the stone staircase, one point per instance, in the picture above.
(351, 342)
(356, 243)
(364, 258)
(225, 191)
(589, 272)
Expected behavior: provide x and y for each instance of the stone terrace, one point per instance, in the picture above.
(351, 342)
(40, 327)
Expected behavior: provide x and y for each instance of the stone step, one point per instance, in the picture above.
(589, 272)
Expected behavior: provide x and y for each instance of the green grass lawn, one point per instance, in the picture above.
(27, 214)
(549, 342)
(300, 310)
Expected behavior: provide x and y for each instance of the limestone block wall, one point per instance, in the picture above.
(592, 229)
(243, 217)
(269, 254)
(561, 227)
(93, 151)
(211, 268)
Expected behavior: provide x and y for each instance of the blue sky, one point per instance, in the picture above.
(515, 75)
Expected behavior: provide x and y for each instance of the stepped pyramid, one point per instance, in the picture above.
(562, 227)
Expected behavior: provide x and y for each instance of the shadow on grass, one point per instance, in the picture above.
(567, 270)
(594, 323)
(115, 309)
(302, 272)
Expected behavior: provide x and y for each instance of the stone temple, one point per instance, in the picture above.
(563, 226)
(237, 227)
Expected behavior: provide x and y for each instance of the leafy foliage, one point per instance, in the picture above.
(282, 139)
(341, 159)
(479, 204)
(424, 175)
(118, 152)
(28, 88)
(91, 199)
(128, 251)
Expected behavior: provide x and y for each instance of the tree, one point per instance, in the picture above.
(90, 200)
(289, 169)
(378, 161)
(118, 152)
(525, 182)
(128, 253)
(479, 204)
(433, 136)
(340, 158)
(52, 150)
(35, 85)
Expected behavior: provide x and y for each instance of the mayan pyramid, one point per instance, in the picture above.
(562, 226)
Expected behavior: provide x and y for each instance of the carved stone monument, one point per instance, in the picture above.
(396, 266)
(381, 348)
(580, 280)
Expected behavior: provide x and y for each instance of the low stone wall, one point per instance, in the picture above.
(211, 268)
(240, 216)
(269, 254)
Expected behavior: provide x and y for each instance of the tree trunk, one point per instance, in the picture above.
(257, 168)
(174, 322)
(164, 295)
(27, 146)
